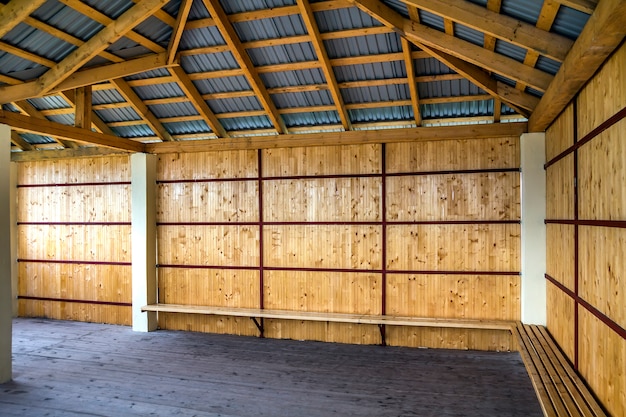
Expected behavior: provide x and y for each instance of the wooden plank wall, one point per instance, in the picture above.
(586, 232)
(74, 239)
(416, 229)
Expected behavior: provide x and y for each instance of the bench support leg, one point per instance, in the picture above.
(259, 325)
(381, 327)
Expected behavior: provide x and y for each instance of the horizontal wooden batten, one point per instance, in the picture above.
(66, 300)
(597, 313)
(73, 262)
(617, 117)
(75, 184)
(620, 224)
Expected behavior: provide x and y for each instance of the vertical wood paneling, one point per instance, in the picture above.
(452, 247)
(604, 95)
(560, 314)
(493, 297)
(453, 155)
(444, 338)
(75, 171)
(482, 196)
(602, 362)
(207, 165)
(560, 253)
(560, 189)
(560, 135)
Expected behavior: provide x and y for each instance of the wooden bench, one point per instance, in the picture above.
(381, 320)
(560, 390)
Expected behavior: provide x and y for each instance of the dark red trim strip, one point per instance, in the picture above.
(60, 261)
(618, 224)
(76, 184)
(74, 223)
(340, 223)
(597, 313)
(451, 172)
(383, 215)
(589, 136)
(338, 270)
(205, 180)
(260, 185)
(66, 300)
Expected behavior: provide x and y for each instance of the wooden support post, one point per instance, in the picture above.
(82, 117)
(6, 304)
(533, 184)
(143, 180)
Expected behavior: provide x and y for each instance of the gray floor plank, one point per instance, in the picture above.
(80, 369)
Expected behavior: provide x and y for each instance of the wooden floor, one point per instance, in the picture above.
(76, 369)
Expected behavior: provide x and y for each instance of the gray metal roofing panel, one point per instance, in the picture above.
(373, 71)
(106, 97)
(111, 8)
(182, 128)
(118, 114)
(282, 54)
(311, 119)
(454, 110)
(469, 34)
(173, 109)
(197, 11)
(293, 78)
(382, 114)
(344, 19)
(207, 63)
(222, 85)
(431, 66)
(148, 92)
(398, 6)
(239, 6)
(38, 42)
(569, 22)
(235, 104)
(246, 123)
(375, 94)
(19, 68)
(134, 131)
(197, 38)
(363, 45)
(510, 50)
(64, 119)
(270, 28)
(155, 30)
(37, 139)
(548, 65)
(527, 10)
(67, 19)
(431, 20)
(161, 72)
(448, 88)
(302, 99)
(49, 103)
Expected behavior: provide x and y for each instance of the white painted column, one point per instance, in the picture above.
(6, 292)
(13, 216)
(143, 206)
(533, 185)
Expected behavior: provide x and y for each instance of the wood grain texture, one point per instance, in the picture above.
(465, 247)
(483, 196)
(91, 313)
(490, 340)
(323, 200)
(560, 257)
(560, 135)
(560, 189)
(453, 296)
(560, 319)
(72, 171)
(603, 270)
(602, 175)
(488, 153)
(602, 362)
(207, 165)
(604, 95)
(322, 160)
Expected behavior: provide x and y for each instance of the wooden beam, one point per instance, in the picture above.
(466, 51)
(20, 142)
(89, 76)
(82, 115)
(57, 130)
(96, 121)
(251, 73)
(14, 12)
(179, 27)
(28, 56)
(142, 110)
(198, 102)
(603, 33)
(342, 138)
(410, 75)
(28, 109)
(98, 43)
(498, 25)
(585, 6)
(322, 56)
(82, 152)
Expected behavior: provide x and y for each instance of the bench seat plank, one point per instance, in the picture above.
(332, 317)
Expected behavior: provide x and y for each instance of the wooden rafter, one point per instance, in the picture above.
(14, 12)
(498, 25)
(45, 127)
(89, 76)
(96, 121)
(585, 6)
(251, 73)
(179, 27)
(322, 56)
(198, 102)
(410, 75)
(20, 142)
(31, 111)
(98, 43)
(605, 30)
(142, 110)
(466, 51)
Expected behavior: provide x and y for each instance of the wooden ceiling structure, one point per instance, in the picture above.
(95, 64)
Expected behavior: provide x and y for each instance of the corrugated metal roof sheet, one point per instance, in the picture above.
(222, 85)
(455, 110)
(293, 78)
(282, 54)
(106, 97)
(49, 103)
(363, 45)
(111, 8)
(381, 114)
(246, 123)
(344, 19)
(303, 99)
(118, 114)
(311, 119)
(271, 28)
(448, 88)
(197, 38)
(235, 104)
(374, 71)
(376, 94)
(205, 63)
(569, 22)
(149, 92)
(173, 109)
(134, 131)
(67, 19)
